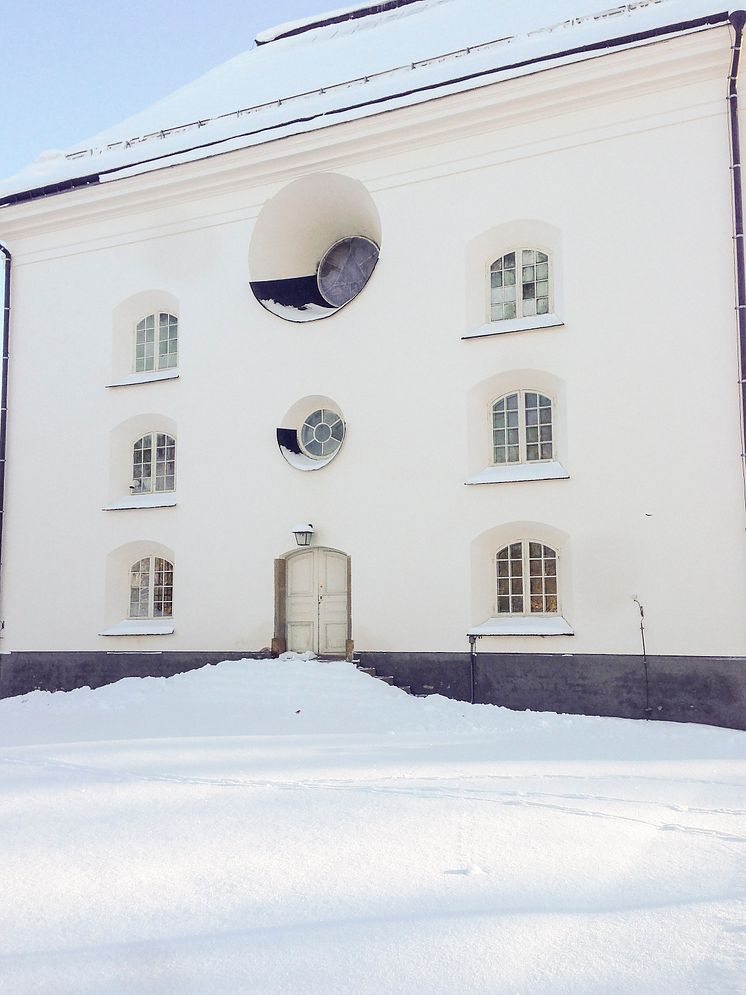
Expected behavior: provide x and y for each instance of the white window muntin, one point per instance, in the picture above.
(522, 428)
(151, 588)
(156, 343)
(154, 464)
(520, 284)
(322, 433)
(527, 579)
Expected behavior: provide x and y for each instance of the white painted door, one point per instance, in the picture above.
(316, 612)
(332, 575)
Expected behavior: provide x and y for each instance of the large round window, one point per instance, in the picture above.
(346, 268)
(314, 247)
(321, 434)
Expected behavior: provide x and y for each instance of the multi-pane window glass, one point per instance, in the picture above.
(154, 463)
(156, 343)
(522, 428)
(322, 433)
(151, 588)
(519, 285)
(526, 579)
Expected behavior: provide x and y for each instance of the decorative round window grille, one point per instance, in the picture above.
(346, 268)
(322, 433)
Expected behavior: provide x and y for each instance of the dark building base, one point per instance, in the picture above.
(708, 690)
(24, 672)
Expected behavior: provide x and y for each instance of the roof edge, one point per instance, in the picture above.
(721, 18)
(300, 28)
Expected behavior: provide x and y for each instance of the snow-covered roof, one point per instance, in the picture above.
(354, 63)
(365, 8)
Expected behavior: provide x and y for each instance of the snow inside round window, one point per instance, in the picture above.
(345, 269)
(314, 247)
(322, 433)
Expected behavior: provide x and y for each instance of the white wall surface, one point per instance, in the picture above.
(623, 161)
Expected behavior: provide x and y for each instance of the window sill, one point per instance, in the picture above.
(524, 625)
(140, 627)
(507, 472)
(136, 378)
(532, 323)
(142, 501)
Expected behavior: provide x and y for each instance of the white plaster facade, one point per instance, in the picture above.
(616, 166)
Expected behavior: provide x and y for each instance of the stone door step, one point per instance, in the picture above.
(372, 672)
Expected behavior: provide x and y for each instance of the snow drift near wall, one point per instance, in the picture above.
(296, 695)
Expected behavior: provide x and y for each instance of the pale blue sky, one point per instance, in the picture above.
(73, 67)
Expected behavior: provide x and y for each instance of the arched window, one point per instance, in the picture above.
(153, 464)
(526, 579)
(522, 428)
(151, 588)
(156, 342)
(519, 285)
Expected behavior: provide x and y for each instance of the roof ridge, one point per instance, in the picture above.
(293, 28)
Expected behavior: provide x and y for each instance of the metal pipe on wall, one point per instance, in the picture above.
(738, 19)
(7, 262)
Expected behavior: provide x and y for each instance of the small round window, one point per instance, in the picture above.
(321, 434)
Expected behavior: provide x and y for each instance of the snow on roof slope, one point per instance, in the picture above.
(347, 70)
(365, 8)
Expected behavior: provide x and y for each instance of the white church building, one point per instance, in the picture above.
(414, 335)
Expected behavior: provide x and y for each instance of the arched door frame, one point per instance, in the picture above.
(279, 640)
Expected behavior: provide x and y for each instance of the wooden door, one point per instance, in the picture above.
(317, 602)
(332, 578)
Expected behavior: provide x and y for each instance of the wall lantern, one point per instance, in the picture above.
(303, 534)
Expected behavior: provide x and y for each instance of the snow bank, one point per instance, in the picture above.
(295, 696)
(293, 827)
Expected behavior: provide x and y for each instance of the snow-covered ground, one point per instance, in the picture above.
(295, 826)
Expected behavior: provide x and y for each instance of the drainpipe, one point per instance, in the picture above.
(472, 665)
(4, 396)
(738, 19)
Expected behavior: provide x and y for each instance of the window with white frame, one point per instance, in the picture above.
(151, 588)
(522, 428)
(154, 464)
(526, 579)
(519, 285)
(321, 433)
(156, 343)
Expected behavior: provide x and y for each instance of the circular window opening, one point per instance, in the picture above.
(314, 247)
(346, 268)
(311, 433)
(321, 434)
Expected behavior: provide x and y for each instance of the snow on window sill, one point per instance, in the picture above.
(523, 625)
(308, 312)
(533, 322)
(506, 472)
(141, 627)
(151, 377)
(142, 501)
